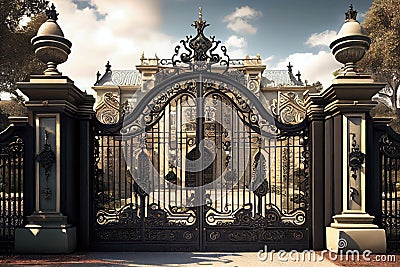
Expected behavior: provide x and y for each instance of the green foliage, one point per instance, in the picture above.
(17, 59)
(382, 23)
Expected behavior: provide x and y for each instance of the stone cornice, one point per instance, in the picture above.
(57, 94)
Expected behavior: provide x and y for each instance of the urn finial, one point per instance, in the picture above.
(49, 43)
(351, 43)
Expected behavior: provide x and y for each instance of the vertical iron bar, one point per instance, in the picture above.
(3, 196)
(9, 194)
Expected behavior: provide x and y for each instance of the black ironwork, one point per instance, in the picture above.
(351, 14)
(52, 13)
(46, 159)
(11, 190)
(290, 68)
(390, 186)
(108, 66)
(298, 75)
(199, 51)
(253, 186)
(356, 158)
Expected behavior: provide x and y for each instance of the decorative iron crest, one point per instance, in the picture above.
(46, 159)
(356, 158)
(199, 51)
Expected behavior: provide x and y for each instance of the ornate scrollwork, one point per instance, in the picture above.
(122, 234)
(244, 217)
(108, 110)
(389, 147)
(127, 214)
(289, 108)
(215, 235)
(199, 51)
(174, 216)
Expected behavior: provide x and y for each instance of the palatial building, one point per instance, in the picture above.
(282, 89)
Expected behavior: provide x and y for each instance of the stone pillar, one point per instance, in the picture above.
(347, 104)
(55, 108)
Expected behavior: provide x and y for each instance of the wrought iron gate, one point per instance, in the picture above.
(12, 174)
(390, 187)
(200, 167)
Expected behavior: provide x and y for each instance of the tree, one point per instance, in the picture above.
(10, 108)
(17, 59)
(382, 23)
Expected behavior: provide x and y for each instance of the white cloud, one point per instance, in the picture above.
(267, 61)
(127, 29)
(236, 46)
(313, 67)
(239, 20)
(235, 42)
(324, 38)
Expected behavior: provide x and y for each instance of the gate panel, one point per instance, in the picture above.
(200, 169)
(11, 188)
(390, 186)
(262, 198)
(144, 200)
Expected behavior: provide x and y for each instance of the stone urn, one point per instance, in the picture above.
(50, 45)
(351, 43)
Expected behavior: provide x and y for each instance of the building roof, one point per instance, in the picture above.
(120, 77)
(276, 78)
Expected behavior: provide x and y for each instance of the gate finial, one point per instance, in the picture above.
(200, 14)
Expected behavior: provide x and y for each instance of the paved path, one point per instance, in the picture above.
(154, 259)
(108, 259)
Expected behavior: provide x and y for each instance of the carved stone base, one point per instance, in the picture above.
(45, 240)
(342, 240)
(355, 231)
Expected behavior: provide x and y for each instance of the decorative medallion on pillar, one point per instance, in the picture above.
(46, 159)
(356, 158)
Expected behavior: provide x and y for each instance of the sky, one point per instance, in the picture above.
(281, 31)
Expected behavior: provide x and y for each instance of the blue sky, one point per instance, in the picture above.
(279, 30)
(282, 28)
